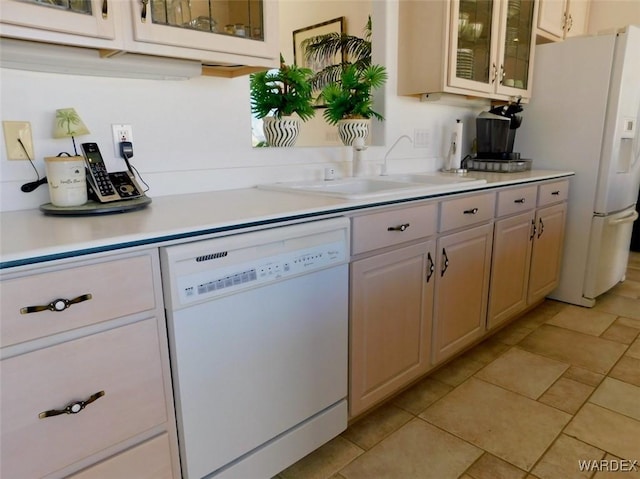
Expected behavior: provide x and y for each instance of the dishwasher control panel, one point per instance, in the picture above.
(205, 270)
(230, 279)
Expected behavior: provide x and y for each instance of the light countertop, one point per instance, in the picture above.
(29, 236)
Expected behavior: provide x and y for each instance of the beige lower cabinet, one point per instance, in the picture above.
(527, 249)
(546, 257)
(391, 308)
(149, 460)
(512, 244)
(461, 291)
(391, 301)
(84, 376)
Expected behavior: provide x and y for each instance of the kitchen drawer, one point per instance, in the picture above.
(553, 192)
(516, 200)
(466, 211)
(118, 288)
(123, 362)
(149, 460)
(388, 228)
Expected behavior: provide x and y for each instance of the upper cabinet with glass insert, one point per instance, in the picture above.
(237, 36)
(243, 32)
(90, 23)
(480, 48)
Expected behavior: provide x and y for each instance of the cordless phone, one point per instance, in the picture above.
(106, 186)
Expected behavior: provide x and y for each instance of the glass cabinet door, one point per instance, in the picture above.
(86, 18)
(241, 18)
(516, 49)
(78, 6)
(214, 31)
(473, 45)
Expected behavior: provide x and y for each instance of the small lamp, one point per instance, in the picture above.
(69, 124)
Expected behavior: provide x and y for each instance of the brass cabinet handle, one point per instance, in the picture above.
(143, 15)
(431, 267)
(540, 228)
(105, 9)
(472, 211)
(533, 229)
(401, 227)
(72, 408)
(445, 265)
(519, 200)
(56, 305)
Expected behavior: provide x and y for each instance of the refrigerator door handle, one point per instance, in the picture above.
(630, 218)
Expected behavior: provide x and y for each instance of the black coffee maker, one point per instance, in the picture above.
(496, 132)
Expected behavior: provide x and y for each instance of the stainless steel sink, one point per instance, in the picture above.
(378, 186)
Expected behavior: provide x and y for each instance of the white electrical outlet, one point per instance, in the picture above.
(14, 131)
(121, 133)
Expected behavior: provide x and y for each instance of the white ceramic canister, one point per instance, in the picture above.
(67, 180)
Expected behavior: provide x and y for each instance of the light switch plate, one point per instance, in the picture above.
(14, 130)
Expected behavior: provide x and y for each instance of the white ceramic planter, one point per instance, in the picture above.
(281, 132)
(349, 130)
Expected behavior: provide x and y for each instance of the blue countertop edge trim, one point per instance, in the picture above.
(193, 234)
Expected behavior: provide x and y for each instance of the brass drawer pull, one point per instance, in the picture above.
(72, 408)
(402, 227)
(143, 14)
(519, 200)
(472, 211)
(56, 305)
(445, 263)
(540, 227)
(431, 267)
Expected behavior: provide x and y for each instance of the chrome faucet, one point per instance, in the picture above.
(383, 172)
(358, 147)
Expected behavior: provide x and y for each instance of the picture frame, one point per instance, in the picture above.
(335, 25)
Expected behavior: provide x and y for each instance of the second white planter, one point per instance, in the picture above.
(281, 132)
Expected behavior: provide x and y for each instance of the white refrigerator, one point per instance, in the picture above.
(584, 116)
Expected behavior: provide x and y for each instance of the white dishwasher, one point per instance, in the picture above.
(258, 328)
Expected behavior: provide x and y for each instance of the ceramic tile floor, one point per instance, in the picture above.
(557, 386)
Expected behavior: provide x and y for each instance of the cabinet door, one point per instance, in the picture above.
(552, 17)
(546, 256)
(462, 288)
(474, 28)
(215, 31)
(577, 18)
(391, 309)
(512, 242)
(84, 18)
(516, 48)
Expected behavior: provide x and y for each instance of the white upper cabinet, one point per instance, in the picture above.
(237, 36)
(559, 19)
(471, 47)
(243, 32)
(74, 22)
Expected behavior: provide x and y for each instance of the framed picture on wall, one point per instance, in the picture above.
(302, 36)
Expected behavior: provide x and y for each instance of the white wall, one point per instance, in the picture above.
(194, 135)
